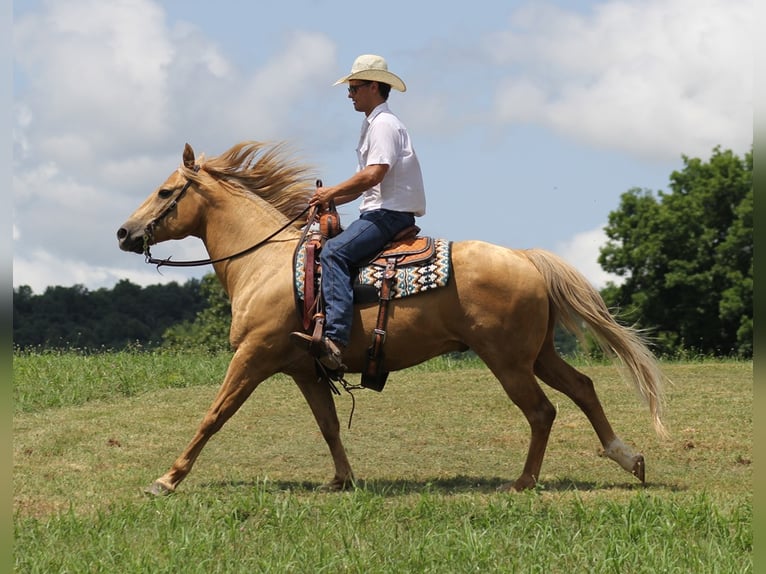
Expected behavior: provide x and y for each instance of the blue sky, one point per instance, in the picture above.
(530, 118)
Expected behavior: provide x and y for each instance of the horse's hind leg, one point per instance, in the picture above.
(522, 388)
(320, 400)
(554, 371)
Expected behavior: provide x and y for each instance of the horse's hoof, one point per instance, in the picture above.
(158, 489)
(518, 486)
(639, 468)
(336, 485)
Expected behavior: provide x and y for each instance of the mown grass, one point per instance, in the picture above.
(264, 528)
(429, 452)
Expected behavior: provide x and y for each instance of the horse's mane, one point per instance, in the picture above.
(262, 169)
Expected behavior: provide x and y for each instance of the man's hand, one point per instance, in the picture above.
(322, 196)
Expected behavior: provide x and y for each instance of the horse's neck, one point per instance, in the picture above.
(237, 224)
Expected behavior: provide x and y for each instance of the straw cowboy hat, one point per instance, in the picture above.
(373, 68)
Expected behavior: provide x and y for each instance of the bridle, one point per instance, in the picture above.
(172, 204)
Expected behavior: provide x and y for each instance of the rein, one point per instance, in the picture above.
(148, 233)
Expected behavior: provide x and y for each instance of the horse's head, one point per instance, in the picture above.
(172, 211)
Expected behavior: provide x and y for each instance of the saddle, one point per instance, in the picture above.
(406, 249)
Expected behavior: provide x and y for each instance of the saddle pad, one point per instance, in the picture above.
(415, 278)
(409, 280)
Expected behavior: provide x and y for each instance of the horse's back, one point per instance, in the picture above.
(489, 267)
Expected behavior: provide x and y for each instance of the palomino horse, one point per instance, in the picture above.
(247, 204)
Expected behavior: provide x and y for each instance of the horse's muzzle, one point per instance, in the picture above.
(132, 242)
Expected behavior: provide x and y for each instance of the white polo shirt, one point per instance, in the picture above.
(384, 140)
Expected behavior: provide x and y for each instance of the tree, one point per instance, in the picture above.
(210, 328)
(687, 257)
(64, 317)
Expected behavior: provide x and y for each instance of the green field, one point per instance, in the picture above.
(90, 431)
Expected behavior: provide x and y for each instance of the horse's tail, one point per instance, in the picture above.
(580, 306)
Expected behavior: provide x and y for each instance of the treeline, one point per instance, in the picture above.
(113, 319)
(194, 315)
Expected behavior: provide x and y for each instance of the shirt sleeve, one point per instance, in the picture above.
(385, 144)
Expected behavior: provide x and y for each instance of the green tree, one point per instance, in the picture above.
(210, 328)
(64, 317)
(687, 257)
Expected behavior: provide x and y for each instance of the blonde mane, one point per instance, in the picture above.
(261, 169)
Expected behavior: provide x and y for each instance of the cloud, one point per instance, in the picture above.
(266, 101)
(582, 251)
(657, 78)
(94, 69)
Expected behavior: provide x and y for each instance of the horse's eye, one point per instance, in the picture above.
(165, 193)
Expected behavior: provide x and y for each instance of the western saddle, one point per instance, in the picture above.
(407, 248)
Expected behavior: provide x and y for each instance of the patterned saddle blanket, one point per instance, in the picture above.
(410, 278)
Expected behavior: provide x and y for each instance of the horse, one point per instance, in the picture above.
(247, 206)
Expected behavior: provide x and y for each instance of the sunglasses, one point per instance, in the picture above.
(352, 89)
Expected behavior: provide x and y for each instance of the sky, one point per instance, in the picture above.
(530, 118)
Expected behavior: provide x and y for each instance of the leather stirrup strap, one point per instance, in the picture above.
(375, 352)
(309, 291)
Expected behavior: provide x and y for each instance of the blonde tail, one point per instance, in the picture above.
(578, 302)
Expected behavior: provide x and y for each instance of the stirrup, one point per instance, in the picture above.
(324, 350)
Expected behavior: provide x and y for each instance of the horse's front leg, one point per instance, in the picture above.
(320, 400)
(242, 377)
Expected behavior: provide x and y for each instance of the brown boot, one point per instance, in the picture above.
(329, 353)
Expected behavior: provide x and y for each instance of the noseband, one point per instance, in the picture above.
(172, 204)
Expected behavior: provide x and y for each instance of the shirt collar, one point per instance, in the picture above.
(379, 109)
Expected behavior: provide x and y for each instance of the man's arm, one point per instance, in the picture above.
(352, 188)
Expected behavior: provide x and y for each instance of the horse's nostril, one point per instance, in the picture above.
(122, 233)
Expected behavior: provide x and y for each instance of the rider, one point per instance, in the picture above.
(389, 178)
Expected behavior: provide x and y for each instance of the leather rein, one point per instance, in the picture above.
(149, 233)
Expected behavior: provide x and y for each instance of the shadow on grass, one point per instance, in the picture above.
(450, 485)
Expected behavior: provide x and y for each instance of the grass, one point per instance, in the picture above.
(429, 452)
(266, 529)
(54, 378)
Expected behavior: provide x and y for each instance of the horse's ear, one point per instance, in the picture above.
(188, 156)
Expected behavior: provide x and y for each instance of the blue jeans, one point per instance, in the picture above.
(343, 254)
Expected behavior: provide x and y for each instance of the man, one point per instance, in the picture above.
(389, 178)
